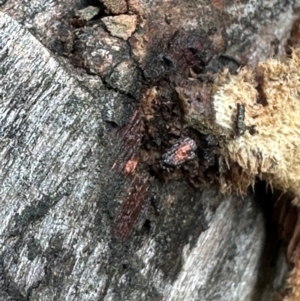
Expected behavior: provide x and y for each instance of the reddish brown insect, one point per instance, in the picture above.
(132, 206)
(131, 137)
(183, 150)
(127, 162)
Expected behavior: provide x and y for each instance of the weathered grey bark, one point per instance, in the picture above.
(59, 196)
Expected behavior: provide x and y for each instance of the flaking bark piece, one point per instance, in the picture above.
(121, 26)
(115, 6)
(87, 13)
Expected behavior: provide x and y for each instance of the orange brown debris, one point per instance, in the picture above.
(130, 166)
(182, 152)
(217, 4)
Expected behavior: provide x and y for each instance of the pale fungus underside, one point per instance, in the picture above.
(255, 116)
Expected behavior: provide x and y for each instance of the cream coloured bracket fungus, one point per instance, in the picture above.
(256, 117)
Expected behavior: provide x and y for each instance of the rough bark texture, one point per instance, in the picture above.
(67, 87)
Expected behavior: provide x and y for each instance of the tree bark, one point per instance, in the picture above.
(66, 91)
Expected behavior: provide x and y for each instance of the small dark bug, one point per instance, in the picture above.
(180, 152)
(240, 126)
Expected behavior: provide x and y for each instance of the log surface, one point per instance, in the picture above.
(62, 98)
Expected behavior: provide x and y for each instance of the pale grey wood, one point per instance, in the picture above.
(210, 258)
(49, 125)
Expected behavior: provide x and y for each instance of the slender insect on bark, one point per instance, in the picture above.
(132, 206)
(180, 152)
(240, 118)
(126, 159)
